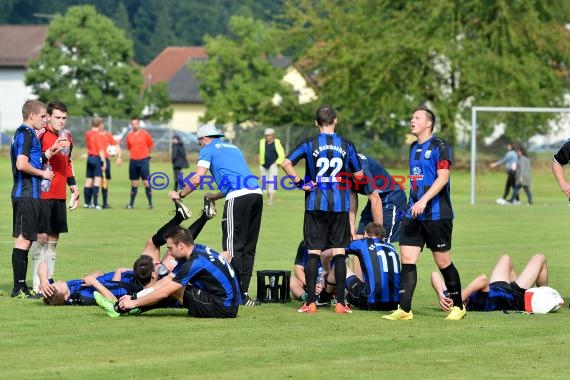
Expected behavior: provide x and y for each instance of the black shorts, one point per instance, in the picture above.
(506, 296)
(94, 167)
(356, 297)
(108, 169)
(25, 217)
(139, 169)
(53, 216)
(201, 304)
(435, 234)
(326, 229)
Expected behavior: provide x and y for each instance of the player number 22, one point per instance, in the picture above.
(328, 168)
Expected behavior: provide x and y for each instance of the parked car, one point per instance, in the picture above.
(190, 141)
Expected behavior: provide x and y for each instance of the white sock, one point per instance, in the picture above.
(38, 255)
(50, 257)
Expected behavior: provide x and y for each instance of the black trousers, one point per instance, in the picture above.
(511, 182)
(240, 226)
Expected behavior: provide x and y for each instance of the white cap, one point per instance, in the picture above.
(209, 131)
(269, 131)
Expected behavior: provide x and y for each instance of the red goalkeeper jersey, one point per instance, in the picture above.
(61, 166)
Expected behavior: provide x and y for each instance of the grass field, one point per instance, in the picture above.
(273, 340)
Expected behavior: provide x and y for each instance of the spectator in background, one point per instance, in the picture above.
(561, 158)
(139, 144)
(26, 156)
(271, 155)
(53, 210)
(523, 177)
(96, 163)
(112, 148)
(510, 160)
(179, 160)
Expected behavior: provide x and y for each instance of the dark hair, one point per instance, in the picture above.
(56, 299)
(429, 113)
(143, 268)
(325, 115)
(375, 230)
(32, 106)
(56, 105)
(180, 234)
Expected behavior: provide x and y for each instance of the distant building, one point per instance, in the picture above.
(171, 67)
(18, 44)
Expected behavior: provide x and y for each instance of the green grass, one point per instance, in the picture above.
(274, 341)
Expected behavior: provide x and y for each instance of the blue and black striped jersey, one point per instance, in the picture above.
(25, 142)
(330, 161)
(425, 160)
(380, 269)
(207, 270)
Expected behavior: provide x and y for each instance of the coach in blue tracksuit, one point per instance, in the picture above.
(386, 199)
(244, 201)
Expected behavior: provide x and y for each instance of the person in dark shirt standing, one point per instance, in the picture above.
(179, 160)
(429, 219)
(26, 156)
(271, 155)
(330, 158)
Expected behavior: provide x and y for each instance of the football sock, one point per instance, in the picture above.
(133, 195)
(196, 227)
(38, 255)
(408, 280)
(19, 267)
(339, 263)
(311, 272)
(87, 191)
(104, 193)
(95, 195)
(158, 238)
(453, 284)
(50, 257)
(148, 192)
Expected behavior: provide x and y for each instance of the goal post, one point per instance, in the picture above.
(476, 109)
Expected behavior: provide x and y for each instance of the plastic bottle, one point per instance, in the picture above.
(270, 288)
(64, 134)
(46, 183)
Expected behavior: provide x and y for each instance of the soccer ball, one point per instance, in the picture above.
(112, 150)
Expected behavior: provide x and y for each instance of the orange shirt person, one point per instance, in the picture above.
(139, 144)
(112, 149)
(96, 165)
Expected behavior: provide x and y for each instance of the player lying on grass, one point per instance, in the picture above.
(112, 285)
(504, 290)
(374, 280)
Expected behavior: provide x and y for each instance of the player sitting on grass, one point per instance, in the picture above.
(298, 284)
(374, 281)
(504, 290)
(202, 281)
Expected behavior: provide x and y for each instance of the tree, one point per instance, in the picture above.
(377, 60)
(238, 80)
(87, 63)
